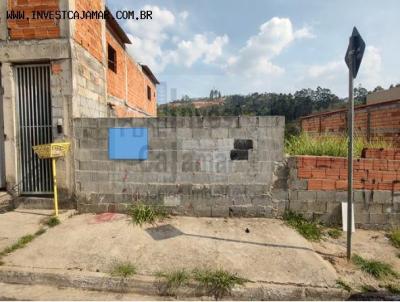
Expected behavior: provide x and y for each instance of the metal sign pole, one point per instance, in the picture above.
(350, 166)
(353, 58)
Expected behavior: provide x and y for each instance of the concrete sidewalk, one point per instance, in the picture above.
(21, 222)
(270, 252)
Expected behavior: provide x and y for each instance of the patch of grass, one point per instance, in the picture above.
(217, 282)
(171, 281)
(343, 285)
(393, 288)
(123, 269)
(40, 232)
(334, 233)
(365, 288)
(377, 269)
(308, 229)
(394, 237)
(22, 242)
(329, 145)
(142, 214)
(53, 221)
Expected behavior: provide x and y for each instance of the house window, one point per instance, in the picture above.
(149, 93)
(112, 58)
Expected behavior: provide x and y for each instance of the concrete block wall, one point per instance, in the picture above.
(89, 83)
(317, 185)
(189, 167)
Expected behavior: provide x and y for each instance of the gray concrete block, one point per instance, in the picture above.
(341, 196)
(220, 211)
(382, 197)
(380, 219)
(329, 196)
(307, 195)
(298, 184)
(317, 206)
(280, 194)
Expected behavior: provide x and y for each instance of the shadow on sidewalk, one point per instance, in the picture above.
(168, 231)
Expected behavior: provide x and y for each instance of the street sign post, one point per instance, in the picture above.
(353, 58)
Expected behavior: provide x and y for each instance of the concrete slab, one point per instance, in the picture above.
(269, 252)
(21, 222)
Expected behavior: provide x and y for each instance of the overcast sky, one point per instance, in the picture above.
(263, 45)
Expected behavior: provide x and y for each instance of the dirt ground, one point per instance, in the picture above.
(368, 244)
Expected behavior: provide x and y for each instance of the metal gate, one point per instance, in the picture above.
(34, 112)
(2, 162)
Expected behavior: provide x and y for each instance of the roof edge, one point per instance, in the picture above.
(116, 28)
(146, 69)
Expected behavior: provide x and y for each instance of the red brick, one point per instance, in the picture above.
(374, 175)
(385, 186)
(314, 184)
(380, 164)
(389, 176)
(341, 184)
(338, 163)
(332, 173)
(318, 173)
(323, 162)
(343, 173)
(394, 165)
(328, 184)
(309, 162)
(304, 173)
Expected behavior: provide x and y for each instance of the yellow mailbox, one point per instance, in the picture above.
(53, 151)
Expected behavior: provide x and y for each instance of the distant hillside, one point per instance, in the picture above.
(197, 102)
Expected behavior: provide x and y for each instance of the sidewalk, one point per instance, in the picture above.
(86, 247)
(21, 222)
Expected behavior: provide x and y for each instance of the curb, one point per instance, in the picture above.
(148, 285)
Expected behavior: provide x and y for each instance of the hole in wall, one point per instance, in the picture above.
(241, 149)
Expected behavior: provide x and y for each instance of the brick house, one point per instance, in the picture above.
(53, 71)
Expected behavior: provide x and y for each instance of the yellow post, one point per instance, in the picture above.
(53, 163)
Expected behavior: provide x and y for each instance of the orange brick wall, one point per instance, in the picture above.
(379, 170)
(135, 90)
(384, 122)
(88, 32)
(116, 81)
(33, 28)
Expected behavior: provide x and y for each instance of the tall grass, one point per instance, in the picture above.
(329, 145)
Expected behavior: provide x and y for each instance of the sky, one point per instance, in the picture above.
(241, 47)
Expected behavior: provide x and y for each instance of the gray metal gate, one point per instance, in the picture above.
(2, 162)
(34, 112)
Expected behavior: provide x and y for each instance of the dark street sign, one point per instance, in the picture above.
(355, 52)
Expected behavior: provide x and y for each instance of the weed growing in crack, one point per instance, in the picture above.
(334, 233)
(343, 285)
(308, 229)
(218, 283)
(394, 237)
(170, 282)
(377, 269)
(53, 221)
(123, 269)
(141, 214)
